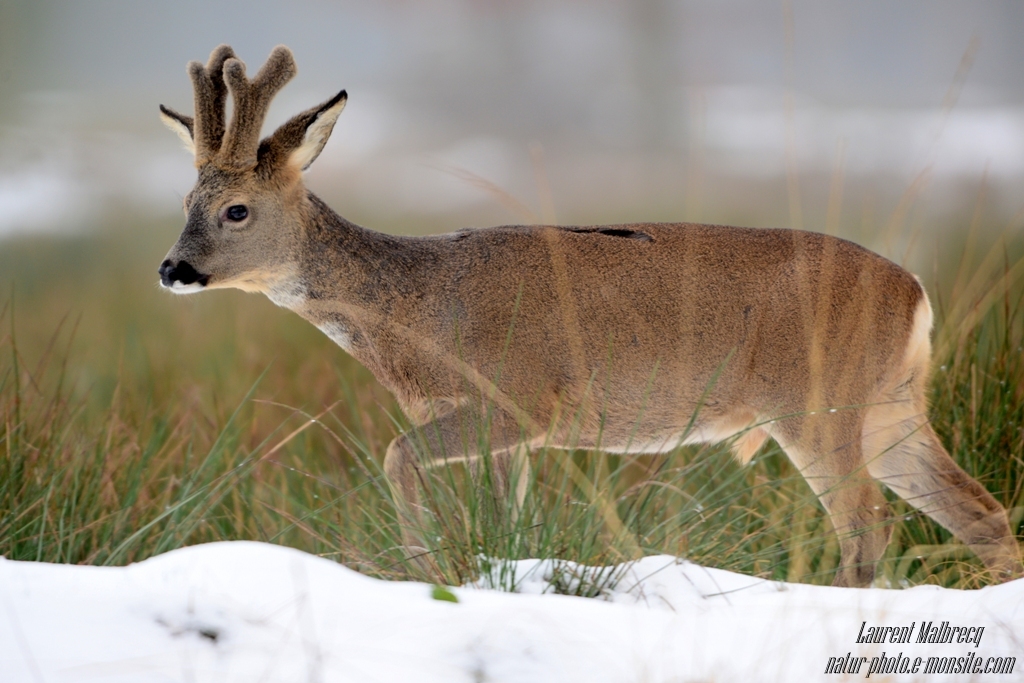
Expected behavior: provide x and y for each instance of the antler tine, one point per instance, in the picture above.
(210, 99)
(252, 99)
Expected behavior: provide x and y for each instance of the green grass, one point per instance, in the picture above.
(133, 422)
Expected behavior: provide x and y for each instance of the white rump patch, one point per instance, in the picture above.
(919, 347)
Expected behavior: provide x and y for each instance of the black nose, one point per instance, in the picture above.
(183, 273)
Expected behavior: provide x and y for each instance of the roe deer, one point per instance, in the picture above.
(626, 338)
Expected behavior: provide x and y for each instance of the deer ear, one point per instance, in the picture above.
(318, 130)
(183, 125)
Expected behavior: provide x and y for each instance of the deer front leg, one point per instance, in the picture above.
(459, 436)
(502, 474)
(403, 469)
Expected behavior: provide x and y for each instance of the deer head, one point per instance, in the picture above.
(246, 211)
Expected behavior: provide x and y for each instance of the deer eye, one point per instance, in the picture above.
(236, 213)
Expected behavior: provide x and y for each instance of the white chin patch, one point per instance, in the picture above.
(179, 288)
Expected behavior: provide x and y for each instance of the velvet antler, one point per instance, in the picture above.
(237, 146)
(210, 99)
(252, 99)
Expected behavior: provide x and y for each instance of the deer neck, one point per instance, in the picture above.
(344, 281)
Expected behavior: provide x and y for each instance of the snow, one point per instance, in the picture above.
(243, 611)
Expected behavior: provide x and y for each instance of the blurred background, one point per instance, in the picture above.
(754, 112)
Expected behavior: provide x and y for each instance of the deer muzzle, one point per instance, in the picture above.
(181, 277)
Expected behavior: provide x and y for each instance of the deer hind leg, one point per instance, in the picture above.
(904, 453)
(456, 437)
(826, 448)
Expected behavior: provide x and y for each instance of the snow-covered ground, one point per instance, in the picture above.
(244, 611)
